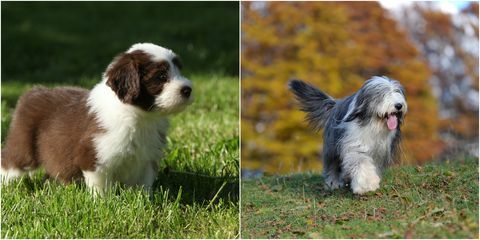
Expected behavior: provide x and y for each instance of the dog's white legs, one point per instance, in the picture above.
(7, 175)
(363, 173)
(96, 181)
(365, 179)
(149, 176)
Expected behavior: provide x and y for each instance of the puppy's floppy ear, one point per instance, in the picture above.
(123, 77)
(177, 62)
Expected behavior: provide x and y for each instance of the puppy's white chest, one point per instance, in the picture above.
(125, 154)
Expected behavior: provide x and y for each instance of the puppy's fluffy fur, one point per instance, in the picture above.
(361, 132)
(113, 133)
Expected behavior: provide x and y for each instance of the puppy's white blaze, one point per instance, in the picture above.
(170, 100)
(156, 52)
(7, 175)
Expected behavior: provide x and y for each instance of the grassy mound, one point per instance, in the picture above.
(438, 200)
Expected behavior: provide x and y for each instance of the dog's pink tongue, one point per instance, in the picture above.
(392, 122)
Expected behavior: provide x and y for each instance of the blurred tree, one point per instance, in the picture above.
(336, 46)
(449, 44)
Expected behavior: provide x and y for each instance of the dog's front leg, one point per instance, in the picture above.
(362, 171)
(96, 182)
(148, 176)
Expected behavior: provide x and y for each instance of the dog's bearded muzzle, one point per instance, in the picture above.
(392, 119)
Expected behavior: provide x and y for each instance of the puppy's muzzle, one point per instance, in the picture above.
(186, 91)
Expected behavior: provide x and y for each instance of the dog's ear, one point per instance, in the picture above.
(354, 114)
(123, 77)
(176, 61)
(359, 112)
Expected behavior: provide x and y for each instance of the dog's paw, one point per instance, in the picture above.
(333, 183)
(7, 175)
(365, 183)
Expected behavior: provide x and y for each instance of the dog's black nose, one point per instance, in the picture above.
(186, 91)
(398, 106)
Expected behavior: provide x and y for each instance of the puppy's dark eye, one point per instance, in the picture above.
(162, 77)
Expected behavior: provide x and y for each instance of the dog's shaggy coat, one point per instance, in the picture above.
(113, 133)
(361, 132)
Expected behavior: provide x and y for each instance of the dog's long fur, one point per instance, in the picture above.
(357, 142)
(114, 133)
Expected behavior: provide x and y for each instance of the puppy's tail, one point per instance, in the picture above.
(317, 104)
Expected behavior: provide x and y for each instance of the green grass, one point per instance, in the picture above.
(438, 200)
(196, 195)
(66, 41)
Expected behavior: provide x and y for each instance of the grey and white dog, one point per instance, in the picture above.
(361, 132)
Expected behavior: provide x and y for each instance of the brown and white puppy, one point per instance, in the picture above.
(113, 133)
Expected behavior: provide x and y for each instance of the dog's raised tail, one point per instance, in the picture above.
(317, 104)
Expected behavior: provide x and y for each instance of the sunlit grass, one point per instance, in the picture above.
(196, 195)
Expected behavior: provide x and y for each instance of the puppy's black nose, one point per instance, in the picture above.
(398, 106)
(186, 91)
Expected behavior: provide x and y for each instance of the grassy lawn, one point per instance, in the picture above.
(438, 200)
(196, 195)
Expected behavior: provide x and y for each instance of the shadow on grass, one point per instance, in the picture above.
(307, 186)
(197, 188)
